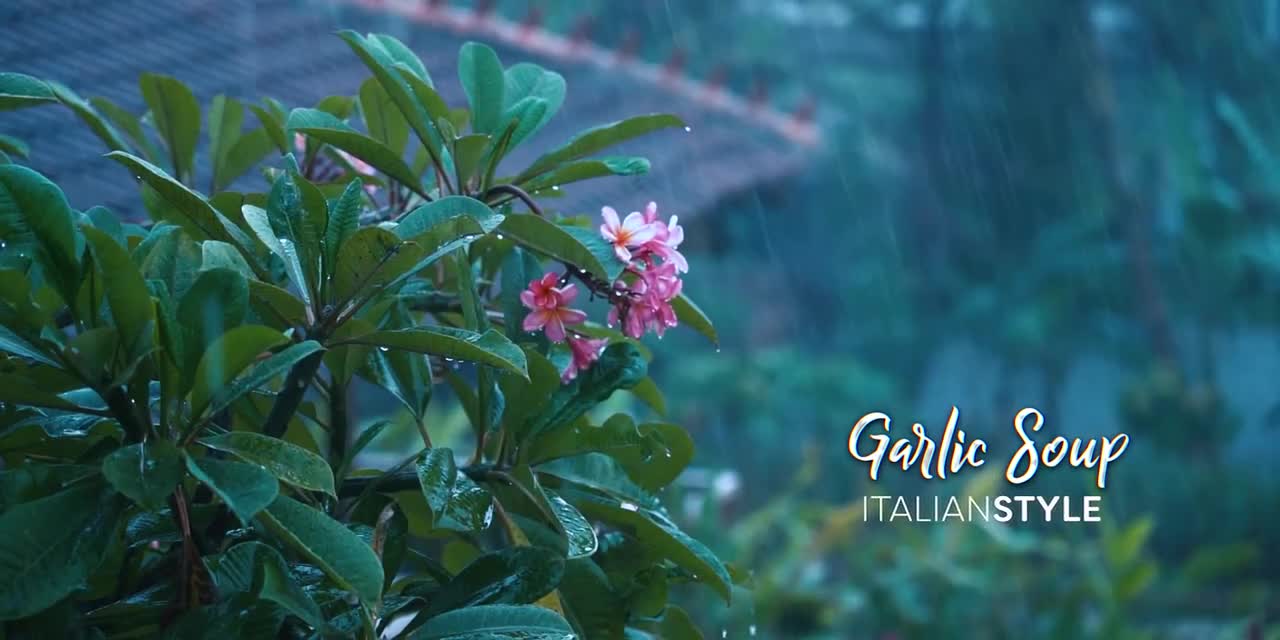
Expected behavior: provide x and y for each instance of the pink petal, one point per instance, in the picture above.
(567, 293)
(675, 233)
(642, 235)
(572, 316)
(679, 261)
(536, 320)
(554, 328)
(610, 218)
(651, 212)
(527, 299)
(622, 252)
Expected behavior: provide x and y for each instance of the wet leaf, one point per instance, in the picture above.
(288, 462)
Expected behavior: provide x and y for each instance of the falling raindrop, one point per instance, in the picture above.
(751, 630)
(724, 633)
(501, 237)
(383, 349)
(555, 187)
(627, 506)
(688, 129)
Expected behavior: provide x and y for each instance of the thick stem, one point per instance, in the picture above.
(287, 401)
(339, 421)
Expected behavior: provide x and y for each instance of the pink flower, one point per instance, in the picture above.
(666, 239)
(648, 300)
(627, 234)
(542, 292)
(549, 307)
(360, 166)
(585, 352)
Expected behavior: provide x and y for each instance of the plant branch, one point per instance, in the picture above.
(290, 396)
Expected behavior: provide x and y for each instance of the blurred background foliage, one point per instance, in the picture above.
(1063, 204)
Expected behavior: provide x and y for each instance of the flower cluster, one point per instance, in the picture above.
(641, 297)
(648, 285)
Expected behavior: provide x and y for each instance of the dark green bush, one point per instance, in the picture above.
(165, 384)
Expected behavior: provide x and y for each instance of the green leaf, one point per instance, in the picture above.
(17, 390)
(14, 146)
(690, 314)
(259, 221)
(215, 254)
(496, 622)
(258, 569)
(176, 115)
(657, 532)
(649, 393)
(406, 375)
(339, 552)
(527, 116)
(467, 153)
(99, 126)
(527, 80)
(195, 214)
(382, 117)
(401, 88)
(216, 302)
(620, 366)
(19, 90)
(598, 138)
(297, 221)
(51, 546)
(526, 397)
(145, 473)
(588, 169)
(454, 501)
(399, 54)
(516, 575)
(272, 303)
(288, 462)
(344, 219)
(370, 259)
(588, 598)
(126, 292)
(438, 224)
(247, 151)
(366, 438)
(245, 488)
(226, 357)
(491, 347)
(28, 200)
(16, 345)
(130, 124)
(653, 454)
(226, 118)
(575, 245)
(330, 130)
(273, 125)
(263, 372)
(480, 72)
(579, 533)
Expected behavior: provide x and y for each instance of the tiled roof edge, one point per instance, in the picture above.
(529, 35)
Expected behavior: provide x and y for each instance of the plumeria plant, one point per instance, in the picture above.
(178, 446)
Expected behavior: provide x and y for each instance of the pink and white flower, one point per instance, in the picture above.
(585, 352)
(625, 235)
(549, 307)
(666, 239)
